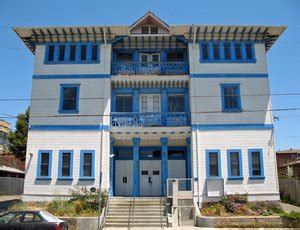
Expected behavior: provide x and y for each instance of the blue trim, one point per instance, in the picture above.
(38, 171)
(238, 93)
(229, 75)
(230, 176)
(261, 159)
(71, 76)
(207, 153)
(60, 157)
(150, 90)
(69, 127)
(164, 162)
(81, 176)
(136, 167)
(232, 126)
(111, 167)
(61, 99)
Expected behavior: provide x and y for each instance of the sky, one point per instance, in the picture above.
(283, 59)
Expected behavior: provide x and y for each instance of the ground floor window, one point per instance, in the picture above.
(213, 163)
(44, 164)
(65, 164)
(234, 159)
(255, 158)
(87, 161)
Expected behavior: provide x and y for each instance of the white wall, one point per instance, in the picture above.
(100, 68)
(64, 140)
(205, 95)
(244, 140)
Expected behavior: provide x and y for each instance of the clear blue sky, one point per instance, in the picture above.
(283, 59)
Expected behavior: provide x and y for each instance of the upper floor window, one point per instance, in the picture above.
(87, 161)
(124, 103)
(234, 159)
(69, 98)
(176, 103)
(256, 168)
(175, 56)
(72, 53)
(44, 164)
(237, 52)
(231, 99)
(51, 49)
(126, 57)
(94, 52)
(83, 53)
(62, 49)
(213, 163)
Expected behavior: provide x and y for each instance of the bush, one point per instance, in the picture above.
(235, 203)
(213, 209)
(292, 215)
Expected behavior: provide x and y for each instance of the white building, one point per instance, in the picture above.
(124, 108)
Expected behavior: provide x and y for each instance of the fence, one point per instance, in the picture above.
(11, 186)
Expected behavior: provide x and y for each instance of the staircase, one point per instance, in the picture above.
(135, 212)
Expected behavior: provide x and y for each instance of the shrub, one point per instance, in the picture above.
(292, 215)
(213, 209)
(274, 206)
(235, 203)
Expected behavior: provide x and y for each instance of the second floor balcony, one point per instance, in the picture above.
(151, 119)
(149, 68)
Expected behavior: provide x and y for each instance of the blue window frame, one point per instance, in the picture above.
(256, 164)
(61, 56)
(231, 98)
(65, 164)
(205, 51)
(227, 50)
(69, 98)
(249, 51)
(50, 53)
(87, 164)
(234, 164)
(124, 103)
(238, 51)
(216, 51)
(213, 163)
(44, 167)
(72, 52)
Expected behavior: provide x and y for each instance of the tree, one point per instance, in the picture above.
(18, 138)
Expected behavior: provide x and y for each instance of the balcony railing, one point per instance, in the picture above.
(150, 119)
(149, 68)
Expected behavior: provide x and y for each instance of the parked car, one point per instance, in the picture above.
(19, 220)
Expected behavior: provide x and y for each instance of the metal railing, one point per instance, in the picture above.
(150, 119)
(149, 68)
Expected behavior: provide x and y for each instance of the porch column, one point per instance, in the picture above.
(135, 101)
(188, 158)
(164, 164)
(136, 166)
(164, 101)
(111, 167)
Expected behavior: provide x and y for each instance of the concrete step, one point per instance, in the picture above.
(145, 225)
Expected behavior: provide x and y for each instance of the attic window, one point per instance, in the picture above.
(145, 30)
(149, 30)
(154, 30)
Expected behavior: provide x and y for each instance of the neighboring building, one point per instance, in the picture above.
(142, 103)
(288, 162)
(4, 131)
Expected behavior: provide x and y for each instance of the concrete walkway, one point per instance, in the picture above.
(289, 208)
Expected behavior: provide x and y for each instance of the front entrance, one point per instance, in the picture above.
(150, 177)
(124, 178)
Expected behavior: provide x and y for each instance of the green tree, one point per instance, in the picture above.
(18, 138)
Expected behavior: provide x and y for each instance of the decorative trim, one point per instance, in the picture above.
(38, 171)
(228, 75)
(230, 176)
(82, 153)
(60, 162)
(261, 159)
(71, 76)
(69, 127)
(208, 127)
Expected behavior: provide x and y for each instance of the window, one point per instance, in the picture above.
(216, 51)
(94, 52)
(249, 51)
(231, 99)
(238, 51)
(213, 163)
(44, 164)
(154, 30)
(72, 53)
(256, 169)
(176, 154)
(83, 53)
(145, 30)
(126, 57)
(227, 54)
(69, 98)
(31, 217)
(174, 57)
(51, 53)
(205, 51)
(146, 153)
(124, 103)
(62, 49)
(234, 160)
(87, 164)
(65, 164)
(176, 103)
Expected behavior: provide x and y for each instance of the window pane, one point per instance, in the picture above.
(155, 58)
(204, 50)
(51, 53)
(124, 103)
(72, 52)
(144, 104)
(66, 163)
(256, 164)
(227, 51)
(156, 103)
(238, 51)
(249, 54)
(145, 30)
(94, 52)
(231, 97)
(62, 49)
(176, 103)
(154, 30)
(83, 53)
(144, 58)
(235, 165)
(124, 56)
(216, 51)
(70, 98)
(87, 164)
(175, 57)
(213, 164)
(45, 164)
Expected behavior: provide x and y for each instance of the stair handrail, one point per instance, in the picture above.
(133, 210)
(130, 210)
(103, 221)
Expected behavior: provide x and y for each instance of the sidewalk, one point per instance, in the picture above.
(289, 207)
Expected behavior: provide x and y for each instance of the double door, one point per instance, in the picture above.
(150, 177)
(124, 178)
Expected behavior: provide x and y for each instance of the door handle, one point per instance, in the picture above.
(150, 180)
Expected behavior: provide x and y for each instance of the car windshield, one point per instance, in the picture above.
(10, 216)
(49, 217)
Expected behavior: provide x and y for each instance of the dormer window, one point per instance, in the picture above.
(149, 30)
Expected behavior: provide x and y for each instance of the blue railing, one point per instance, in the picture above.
(149, 119)
(149, 68)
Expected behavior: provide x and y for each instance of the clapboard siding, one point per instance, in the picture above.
(98, 89)
(244, 140)
(205, 96)
(100, 68)
(196, 67)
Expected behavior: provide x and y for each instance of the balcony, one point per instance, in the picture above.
(150, 119)
(150, 68)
